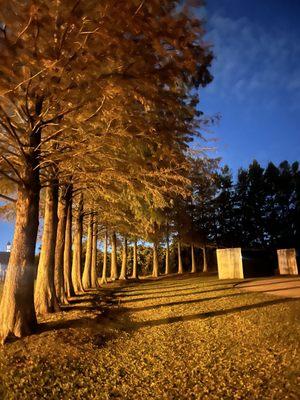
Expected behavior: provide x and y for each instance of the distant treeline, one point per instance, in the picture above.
(260, 209)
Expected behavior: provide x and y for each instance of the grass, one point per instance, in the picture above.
(184, 338)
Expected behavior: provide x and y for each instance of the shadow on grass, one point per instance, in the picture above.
(185, 302)
(187, 318)
(162, 290)
(100, 304)
(141, 287)
(160, 295)
(119, 318)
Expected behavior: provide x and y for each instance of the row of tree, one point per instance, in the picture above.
(261, 209)
(98, 107)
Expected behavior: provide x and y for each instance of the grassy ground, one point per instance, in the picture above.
(187, 338)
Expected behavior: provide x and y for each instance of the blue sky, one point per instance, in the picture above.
(256, 88)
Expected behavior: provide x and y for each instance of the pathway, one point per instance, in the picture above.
(288, 286)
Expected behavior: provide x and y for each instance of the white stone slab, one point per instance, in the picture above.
(230, 265)
(287, 262)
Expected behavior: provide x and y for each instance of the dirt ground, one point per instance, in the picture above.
(188, 337)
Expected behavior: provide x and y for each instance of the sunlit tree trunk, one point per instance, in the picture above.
(205, 269)
(45, 300)
(155, 261)
(94, 275)
(193, 259)
(60, 246)
(104, 270)
(167, 265)
(124, 260)
(17, 313)
(180, 269)
(113, 264)
(77, 249)
(86, 277)
(68, 249)
(135, 261)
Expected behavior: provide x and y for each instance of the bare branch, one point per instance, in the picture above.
(31, 78)
(138, 9)
(25, 29)
(96, 112)
(9, 177)
(12, 167)
(3, 196)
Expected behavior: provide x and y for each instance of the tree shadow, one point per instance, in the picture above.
(99, 303)
(78, 301)
(102, 319)
(185, 302)
(120, 320)
(135, 325)
(161, 296)
(141, 286)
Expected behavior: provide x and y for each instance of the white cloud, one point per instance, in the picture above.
(251, 60)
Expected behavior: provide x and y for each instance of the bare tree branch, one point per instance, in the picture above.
(3, 196)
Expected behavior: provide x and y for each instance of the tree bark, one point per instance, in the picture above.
(94, 275)
(45, 300)
(86, 277)
(113, 264)
(60, 246)
(77, 249)
(155, 261)
(205, 269)
(17, 313)
(18, 316)
(135, 261)
(68, 249)
(180, 269)
(124, 260)
(193, 259)
(104, 270)
(167, 265)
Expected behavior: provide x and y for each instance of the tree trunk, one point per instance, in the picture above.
(45, 300)
(180, 269)
(167, 265)
(104, 270)
(205, 269)
(135, 261)
(94, 275)
(124, 260)
(193, 259)
(86, 277)
(60, 246)
(113, 264)
(155, 261)
(68, 249)
(77, 249)
(17, 315)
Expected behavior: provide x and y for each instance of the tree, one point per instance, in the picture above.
(94, 272)
(45, 300)
(62, 213)
(250, 203)
(56, 59)
(104, 269)
(224, 208)
(124, 260)
(87, 271)
(135, 260)
(41, 55)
